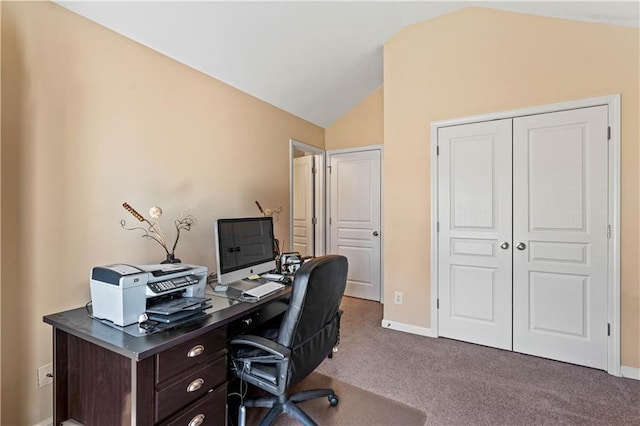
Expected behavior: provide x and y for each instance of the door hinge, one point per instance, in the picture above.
(330, 221)
(609, 133)
(608, 329)
(314, 170)
(314, 220)
(437, 303)
(329, 167)
(608, 231)
(437, 149)
(437, 226)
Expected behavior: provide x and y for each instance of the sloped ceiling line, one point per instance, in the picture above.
(316, 60)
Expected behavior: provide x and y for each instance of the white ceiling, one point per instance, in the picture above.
(315, 60)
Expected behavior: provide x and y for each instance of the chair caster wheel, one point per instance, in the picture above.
(333, 400)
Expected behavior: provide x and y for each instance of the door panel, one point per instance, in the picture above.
(355, 219)
(556, 177)
(473, 293)
(560, 209)
(303, 208)
(558, 303)
(474, 192)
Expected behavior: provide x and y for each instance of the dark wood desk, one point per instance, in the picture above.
(103, 376)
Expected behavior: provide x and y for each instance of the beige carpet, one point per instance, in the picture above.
(356, 407)
(462, 384)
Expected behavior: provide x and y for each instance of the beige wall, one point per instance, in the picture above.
(363, 125)
(479, 61)
(92, 119)
(0, 207)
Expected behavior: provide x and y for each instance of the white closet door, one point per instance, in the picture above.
(560, 236)
(474, 242)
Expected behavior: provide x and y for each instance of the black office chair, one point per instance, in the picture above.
(307, 334)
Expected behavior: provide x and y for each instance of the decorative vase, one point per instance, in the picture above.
(171, 258)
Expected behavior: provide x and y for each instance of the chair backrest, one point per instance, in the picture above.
(310, 325)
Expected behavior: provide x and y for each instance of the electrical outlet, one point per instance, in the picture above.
(45, 375)
(397, 297)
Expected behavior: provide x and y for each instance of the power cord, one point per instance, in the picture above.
(90, 311)
(242, 393)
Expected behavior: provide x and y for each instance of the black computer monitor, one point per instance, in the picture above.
(244, 247)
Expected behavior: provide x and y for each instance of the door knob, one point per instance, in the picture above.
(504, 245)
(521, 246)
(375, 233)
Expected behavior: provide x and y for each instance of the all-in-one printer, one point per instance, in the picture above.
(120, 292)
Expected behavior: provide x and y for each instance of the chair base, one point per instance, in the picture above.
(281, 404)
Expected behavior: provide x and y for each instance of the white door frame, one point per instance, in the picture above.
(328, 198)
(613, 285)
(320, 194)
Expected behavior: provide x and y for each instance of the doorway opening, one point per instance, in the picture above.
(306, 199)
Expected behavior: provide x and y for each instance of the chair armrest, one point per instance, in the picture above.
(262, 343)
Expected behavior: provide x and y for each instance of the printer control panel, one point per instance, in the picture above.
(172, 284)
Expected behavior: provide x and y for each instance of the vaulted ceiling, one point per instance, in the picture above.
(313, 59)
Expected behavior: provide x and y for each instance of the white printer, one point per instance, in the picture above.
(119, 292)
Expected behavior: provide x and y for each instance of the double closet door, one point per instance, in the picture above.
(523, 229)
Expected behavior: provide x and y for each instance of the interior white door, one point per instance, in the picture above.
(354, 221)
(560, 235)
(303, 209)
(474, 241)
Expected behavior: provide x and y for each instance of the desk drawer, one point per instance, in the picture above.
(211, 410)
(203, 348)
(258, 318)
(189, 388)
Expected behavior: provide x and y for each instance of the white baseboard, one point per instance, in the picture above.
(46, 422)
(49, 422)
(407, 328)
(630, 372)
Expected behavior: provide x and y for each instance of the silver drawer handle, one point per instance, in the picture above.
(195, 351)
(197, 420)
(195, 385)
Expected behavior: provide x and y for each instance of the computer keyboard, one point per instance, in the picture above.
(263, 290)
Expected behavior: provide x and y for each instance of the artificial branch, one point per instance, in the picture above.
(147, 234)
(185, 223)
(153, 230)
